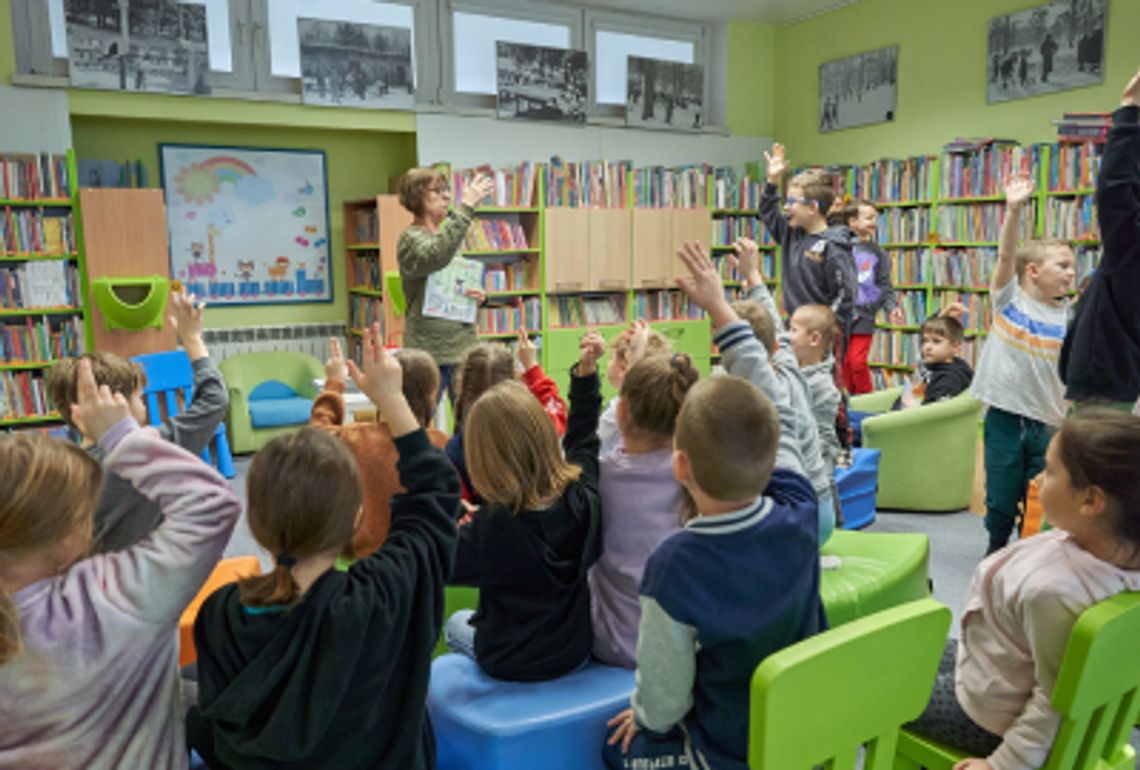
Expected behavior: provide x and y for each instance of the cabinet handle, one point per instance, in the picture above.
(652, 281)
(611, 284)
(567, 285)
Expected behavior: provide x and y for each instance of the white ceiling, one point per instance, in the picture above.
(771, 11)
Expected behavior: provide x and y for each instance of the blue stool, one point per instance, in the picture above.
(857, 487)
(167, 375)
(483, 723)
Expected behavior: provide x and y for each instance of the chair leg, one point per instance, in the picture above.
(225, 460)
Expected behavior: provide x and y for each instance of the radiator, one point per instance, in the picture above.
(311, 338)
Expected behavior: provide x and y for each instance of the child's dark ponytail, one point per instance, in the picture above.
(654, 389)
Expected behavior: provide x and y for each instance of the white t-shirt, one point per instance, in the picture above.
(1017, 370)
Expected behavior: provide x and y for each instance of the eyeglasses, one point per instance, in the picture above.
(790, 201)
(440, 190)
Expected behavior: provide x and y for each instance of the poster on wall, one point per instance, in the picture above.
(664, 94)
(144, 45)
(356, 65)
(858, 90)
(1053, 47)
(248, 226)
(538, 83)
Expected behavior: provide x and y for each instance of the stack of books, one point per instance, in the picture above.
(1084, 127)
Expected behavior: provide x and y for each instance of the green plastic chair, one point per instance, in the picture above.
(1097, 696)
(394, 288)
(908, 479)
(245, 372)
(818, 701)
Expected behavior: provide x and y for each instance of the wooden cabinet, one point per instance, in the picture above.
(689, 225)
(652, 244)
(610, 249)
(567, 249)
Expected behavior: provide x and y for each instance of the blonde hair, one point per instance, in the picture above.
(304, 493)
(654, 390)
(1037, 251)
(51, 492)
(118, 374)
(762, 323)
(483, 366)
(656, 343)
(729, 430)
(512, 449)
(421, 383)
(817, 185)
(414, 186)
(820, 319)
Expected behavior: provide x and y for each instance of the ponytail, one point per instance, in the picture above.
(9, 627)
(270, 590)
(654, 389)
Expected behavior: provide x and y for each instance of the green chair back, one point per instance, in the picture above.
(394, 288)
(1097, 695)
(816, 702)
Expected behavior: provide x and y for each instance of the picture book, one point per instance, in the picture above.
(444, 295)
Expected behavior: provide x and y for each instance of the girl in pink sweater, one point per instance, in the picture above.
(88, 649)
(996, 702)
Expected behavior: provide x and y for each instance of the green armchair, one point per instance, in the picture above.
(271, 394)
(928, 453)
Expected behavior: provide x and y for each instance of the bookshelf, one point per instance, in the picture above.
(43, 280)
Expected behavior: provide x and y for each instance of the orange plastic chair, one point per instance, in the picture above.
(227, 571)
(1034, 519)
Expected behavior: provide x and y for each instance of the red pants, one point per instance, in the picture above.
(856, 372)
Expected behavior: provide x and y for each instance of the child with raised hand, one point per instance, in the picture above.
(741, 580)
(310, 666)
(993, 694)
(642, 503)
(622, 359)
(124, 515)
(1100, 359)
(530, 545)
(371, 443)
(817, 264)
(484, 366)
(88, 649)
(782, 370)
(1017, 371)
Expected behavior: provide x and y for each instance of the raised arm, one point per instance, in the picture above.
(328, 407)
(420, 253)
(581, 443)
(1017, 193)
(1118, 188)
(193, 428)
(769, 207)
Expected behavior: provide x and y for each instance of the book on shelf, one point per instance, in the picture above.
(513, 187)
(666, 305)
(486, 234)
(515, 275)
(661, 187)
(733, 191)
(981, 171)
(892, 180)
(365, 227)
(366, 273)
(1084, 127)
(506, 318)
(963, 267)
(47, 284)
(587, 310)
(444, 294)
(980, 222)
(587, 184)
(979, 309)
(29, 176)
(1072, 219)
(31, 231)
(1074, 166)
(904, 225)
(728, 228)
(23, 395)
(909, 266)
(364, 311)
(38, 340)
(913, 305)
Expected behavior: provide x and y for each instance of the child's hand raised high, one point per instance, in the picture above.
(591, 348)
(746, 260)
(777, 164)
(1018, 190)
(336, 370)
(187, 322)
(638, 340)
(381, 378)
(703, 284)
(1131, 95)
(96, 409)
(527, 351)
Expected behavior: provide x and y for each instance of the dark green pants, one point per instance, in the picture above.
(1015, 453)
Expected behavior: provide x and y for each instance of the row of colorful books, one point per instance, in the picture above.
(964, 267)
(982, 170)
(509, 318)
(1084, 127)
(365, 226)
(909, 266)
(731, 191)
(728, 228)
(899, 348)
(1074, 166)
(364, 311)
(730, 273)
(591, 183)
(1072, 218)
(22, 394)
(913, 305)
(33, 177)
(514, 186)
(979, 309)
(979, 222)
(486, 234)
(665, 306)
(41, 339)
(661, 187)
(587, 310)
(904, 225)
(366, 273)
(33, 285)
(31, 231)
(511, 276)
(902, 179)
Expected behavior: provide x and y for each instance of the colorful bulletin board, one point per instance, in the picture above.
(248, 226)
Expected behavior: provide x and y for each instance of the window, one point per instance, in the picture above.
(475, 38)
(611, 51)
(284, 46)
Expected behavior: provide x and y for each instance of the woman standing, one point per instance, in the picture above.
(429, 244)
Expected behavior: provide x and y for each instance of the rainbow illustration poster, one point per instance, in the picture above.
(248, 226)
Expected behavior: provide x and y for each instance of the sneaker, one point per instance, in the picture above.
(828, 561)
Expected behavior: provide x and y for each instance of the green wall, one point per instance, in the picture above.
(751, 93)
(942, 77)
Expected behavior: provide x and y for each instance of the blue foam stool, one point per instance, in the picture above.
(857, 487)
(482, 723)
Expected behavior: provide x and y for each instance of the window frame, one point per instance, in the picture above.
(484, 104)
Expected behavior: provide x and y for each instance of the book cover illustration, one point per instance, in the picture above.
(444, 294)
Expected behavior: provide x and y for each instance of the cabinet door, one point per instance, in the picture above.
(690, 225)
(652, 248)
(567, 240)
(610, 249)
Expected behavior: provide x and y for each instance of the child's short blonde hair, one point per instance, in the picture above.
(1037, 251)
(817, 185)
(121, 376)
(656, 343)
(512, 449)
(729, 430)
(820, 319)
(763, 325)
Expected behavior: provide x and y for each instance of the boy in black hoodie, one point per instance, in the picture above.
(309, 666)
(944, 375)
(818, 268)
(1100, 359)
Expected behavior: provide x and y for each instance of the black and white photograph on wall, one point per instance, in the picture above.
(858, 90)
(356, 65)
(138, 45)
(538, 83)
(1053, 47)
(664, 94)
